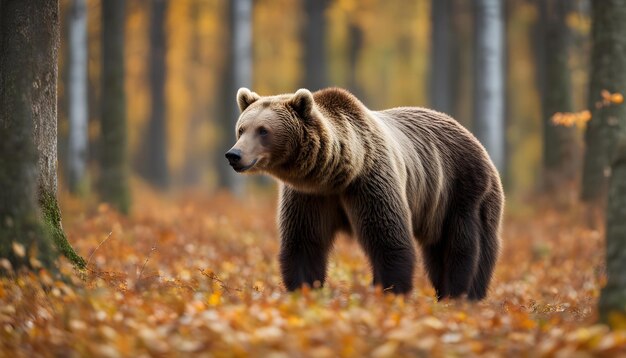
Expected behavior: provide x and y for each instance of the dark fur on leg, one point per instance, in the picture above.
(307, 229)
(383, 232)
(433, 263)
(462, 248)
(490, 246)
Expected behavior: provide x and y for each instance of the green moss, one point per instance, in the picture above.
(52, 219)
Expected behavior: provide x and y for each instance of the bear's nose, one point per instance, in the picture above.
(233, 156)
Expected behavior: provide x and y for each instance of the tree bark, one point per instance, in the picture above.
(440, 59)
(29, 39)
(560, 155)
(489, 91)
(355, 33)
(613, 296)
(194, 152)
(314, 37)
(609, 137)
(156, 171)
(238, 73)
(114, 187)
(608, 60)
(78, 107)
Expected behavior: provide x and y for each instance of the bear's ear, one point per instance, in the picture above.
(302, 102)
(245, 98)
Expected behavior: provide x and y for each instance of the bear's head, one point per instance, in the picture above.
(270, 130)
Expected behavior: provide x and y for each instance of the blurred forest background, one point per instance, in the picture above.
(171, 253)
(178, 54)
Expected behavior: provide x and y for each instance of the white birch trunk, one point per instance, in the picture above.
(489, 93)
(78, 117)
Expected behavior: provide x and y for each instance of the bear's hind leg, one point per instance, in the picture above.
(489, 246)
(433, 262)
(307, 229)
(461, 250)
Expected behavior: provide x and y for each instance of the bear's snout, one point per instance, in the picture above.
(233, 156)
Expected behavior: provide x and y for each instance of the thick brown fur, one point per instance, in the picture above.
(384, 176)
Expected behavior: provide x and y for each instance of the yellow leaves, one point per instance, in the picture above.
(214, 299)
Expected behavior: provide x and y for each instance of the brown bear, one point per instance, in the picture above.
(383, 176)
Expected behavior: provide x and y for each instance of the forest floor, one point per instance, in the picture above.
(192, 275)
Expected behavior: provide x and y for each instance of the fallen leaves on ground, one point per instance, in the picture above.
(199, 276)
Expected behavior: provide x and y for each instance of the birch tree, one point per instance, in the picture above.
(489, 86)
(78, 108)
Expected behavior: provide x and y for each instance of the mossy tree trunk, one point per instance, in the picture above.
(29, 39)
(608, 61)
(560, 152)
(114, 188)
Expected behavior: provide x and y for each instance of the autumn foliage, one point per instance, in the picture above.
(197, 275)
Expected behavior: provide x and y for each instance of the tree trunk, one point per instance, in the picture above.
(225, 124)
(355, 33)
(613, 296)
(156, 171)
(560, 155)
(29, 39)
(461, 62)
(608, 61)
(238, 74)
(609, 133)
(114, 187)
(440, 59)
(489, 91)
(78, 115)
(194, 152)
(314, 37)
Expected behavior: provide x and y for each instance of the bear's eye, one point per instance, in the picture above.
(262, 131)
(240, 132)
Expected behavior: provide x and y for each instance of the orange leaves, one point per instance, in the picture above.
(213, 287)
(609, 98)
(567, 119)
(580, 119)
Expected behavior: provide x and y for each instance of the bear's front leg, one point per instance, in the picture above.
(307, 226)
(381, 221)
